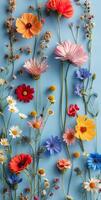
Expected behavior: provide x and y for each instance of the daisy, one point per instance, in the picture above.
(2, 81)
(11, 100)
(15, 131)
(22, 116)
(12, 108)
(2, 157)
(4, 142)
(93, 185)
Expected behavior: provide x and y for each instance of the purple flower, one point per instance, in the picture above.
(82, 73)
(53, 145)
(78, 89)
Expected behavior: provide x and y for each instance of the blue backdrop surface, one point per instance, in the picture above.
(52, 77)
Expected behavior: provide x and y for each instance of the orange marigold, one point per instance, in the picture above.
(28, 25)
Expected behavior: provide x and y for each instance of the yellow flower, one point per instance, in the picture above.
(51, 98)
(52, 88)
(50, 112)
(2, 157)
(76, 154)
(85, 128)
(33, 113)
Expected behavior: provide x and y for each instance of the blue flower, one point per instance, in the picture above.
(82, 73)
(94, 161)
(78, 89)
(14, 179)
(53, 145)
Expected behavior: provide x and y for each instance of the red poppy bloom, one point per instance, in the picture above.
(19, 162)
(72, 111)
(63, 7)
(24, 93)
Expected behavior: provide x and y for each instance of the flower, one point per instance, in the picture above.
(2, 157)
(36, 123)
(12, 108)
(85, 128)
(2, 81)
(22, 116)
(28, 25)
(82, 73)
(35, 67)
(13, 180)
(33, 113)
(52, 88)
(93, 185)
(51, 99)
(53, 145)
(94, 161)
(36, 198)
(41, 172)
(24, 93)
(74, 53)
(11, 100)
(19, 162)
(72, 110)
(69, 136)
(63, 164)
(4, 142)
(78, 89)
(15, 131)
(76, 154)
(63, 8)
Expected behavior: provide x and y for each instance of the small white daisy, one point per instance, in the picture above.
(4, 142)
(93, 185)
(11, 100)
(2, 157)
(12, 108)
(22, 116)
(15, 131)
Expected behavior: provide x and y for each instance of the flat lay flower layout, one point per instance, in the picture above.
(27, 105)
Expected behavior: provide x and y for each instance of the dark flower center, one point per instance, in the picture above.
(28, 25)
(96, 160)
(21, 164)
(83, 129)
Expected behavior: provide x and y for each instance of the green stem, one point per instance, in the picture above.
(62, 181)
(14, 194)
(70, 178)
(59, 29)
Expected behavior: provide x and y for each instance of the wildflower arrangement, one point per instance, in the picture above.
(27, 105)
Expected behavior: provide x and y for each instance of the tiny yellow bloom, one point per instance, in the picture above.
(4, 142)
(76, 154)
(51, 98)
(2, 157)
(50, 112)
(52, 88)
(33, 113)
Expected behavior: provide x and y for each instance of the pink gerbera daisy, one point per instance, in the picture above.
(35, 67)
(74, 53)
(69, 136)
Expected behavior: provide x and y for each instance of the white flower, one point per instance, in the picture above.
(15, 131)
(44, 192)
(93, 185)
(2, 157)
(12, 108)
(4, 142)
(22, 116)
(2, 81)
(11, 100)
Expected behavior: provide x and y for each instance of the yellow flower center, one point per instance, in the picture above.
(92, 185)
(14, 132)
(83, 129)
(28, 25)
(25, 93)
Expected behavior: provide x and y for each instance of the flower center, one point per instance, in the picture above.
(83, 129)
(28, 25)
(92, 185)
(25, 93)
(14, 132)
(70, 136)
(21, 164)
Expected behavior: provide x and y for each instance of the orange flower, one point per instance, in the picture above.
(63, 7)
(28, 25)
(63, 164)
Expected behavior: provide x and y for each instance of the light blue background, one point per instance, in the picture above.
(52, 77)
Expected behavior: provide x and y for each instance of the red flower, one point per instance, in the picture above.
(72, 111)
(24, 93)
(62, 7)
(19, 162)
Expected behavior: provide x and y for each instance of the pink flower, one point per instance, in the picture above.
(69, 136)
(74, 53)
(35, 67)
(36, 198)
(72, 110)
(36, 123)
